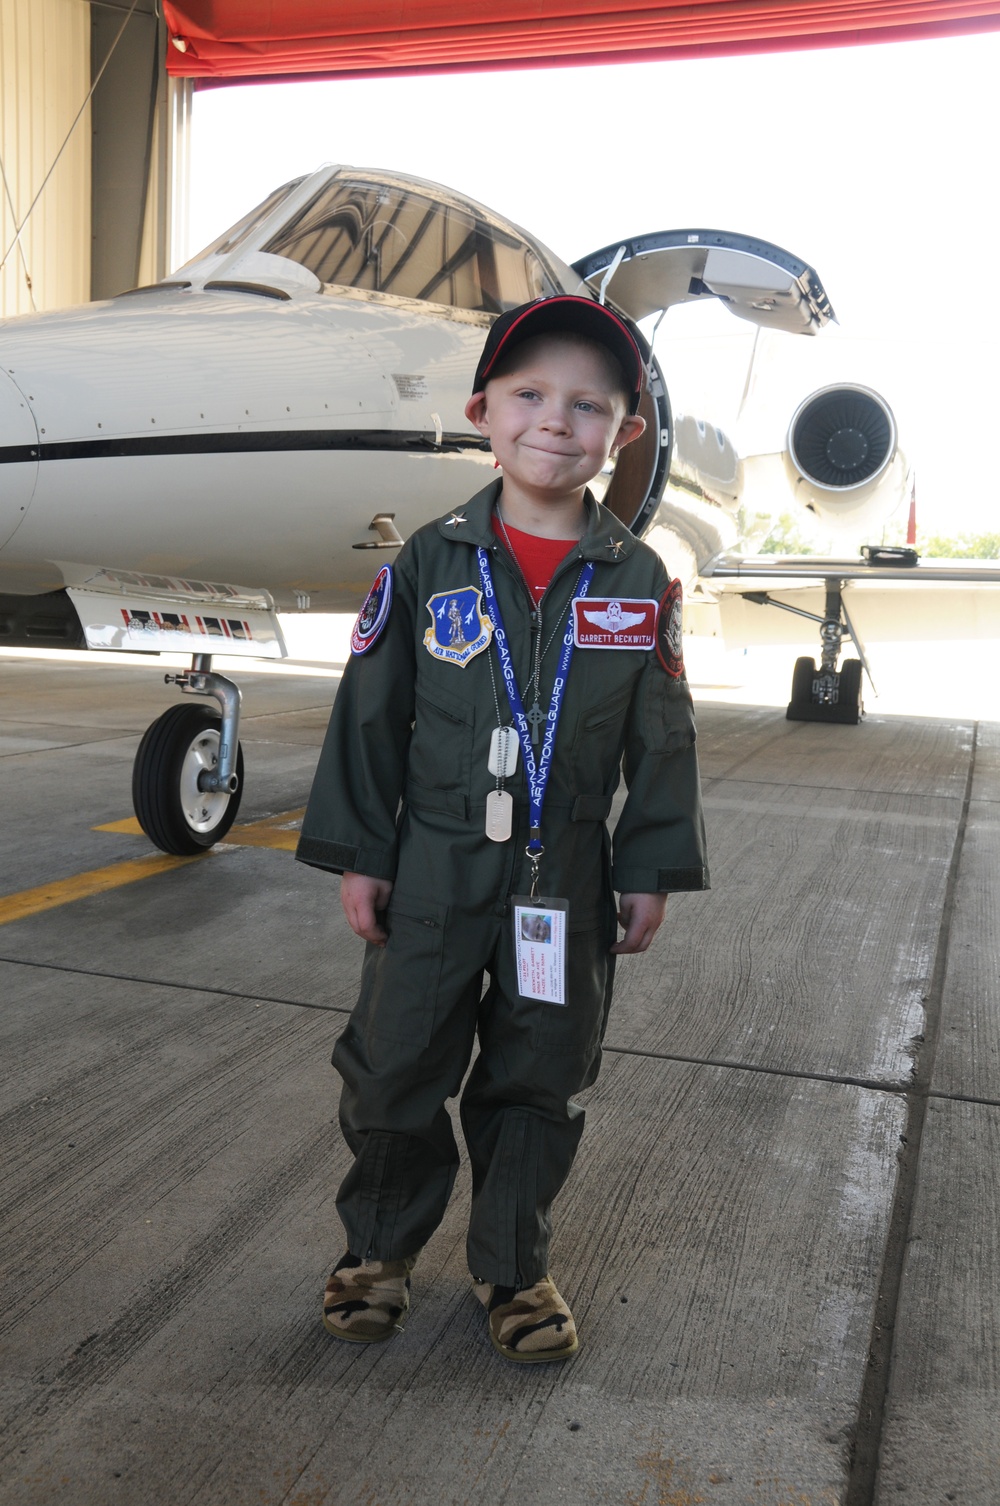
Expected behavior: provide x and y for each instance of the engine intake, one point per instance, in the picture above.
(843, 461)
(842, 437)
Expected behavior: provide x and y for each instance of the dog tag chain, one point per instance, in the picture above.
(537, 768)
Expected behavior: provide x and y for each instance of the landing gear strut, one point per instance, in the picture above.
(823, 693)
(187, 779)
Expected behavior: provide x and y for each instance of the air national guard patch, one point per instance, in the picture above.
(614, 622)
(669, 630)
(374, 614)
(459, 627)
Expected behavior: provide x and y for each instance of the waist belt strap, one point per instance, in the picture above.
(591, 808)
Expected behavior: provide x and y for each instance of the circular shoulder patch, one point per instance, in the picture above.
(374, 614)
(670, 630)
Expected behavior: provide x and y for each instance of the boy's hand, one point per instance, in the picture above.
(362, 897)
(642, 916)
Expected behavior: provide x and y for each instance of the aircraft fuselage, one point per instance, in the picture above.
(228, 435)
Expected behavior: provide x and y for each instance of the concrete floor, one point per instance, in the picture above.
(780, 1239)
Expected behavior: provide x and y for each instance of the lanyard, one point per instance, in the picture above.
(538, 773)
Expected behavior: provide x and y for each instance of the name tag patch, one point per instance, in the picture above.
(616, 622)
(459, 627)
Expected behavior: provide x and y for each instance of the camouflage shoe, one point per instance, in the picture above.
(531, 1326)
(367, 1300)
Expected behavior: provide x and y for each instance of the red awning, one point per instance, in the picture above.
(224, 40)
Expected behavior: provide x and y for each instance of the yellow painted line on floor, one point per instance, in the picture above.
(82, 885)
(280, 831)
(264, 834)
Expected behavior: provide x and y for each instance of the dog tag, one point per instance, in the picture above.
(503, 752)
(499, 815)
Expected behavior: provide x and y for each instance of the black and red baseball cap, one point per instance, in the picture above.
(565, 313)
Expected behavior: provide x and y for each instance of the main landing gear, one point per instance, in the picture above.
(822, 693)
(187, 779)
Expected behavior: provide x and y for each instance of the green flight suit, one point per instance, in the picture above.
(400, 794)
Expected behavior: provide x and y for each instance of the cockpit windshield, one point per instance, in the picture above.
(388, 239)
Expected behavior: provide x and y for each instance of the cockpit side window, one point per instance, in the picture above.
(231, 238)
(388, 240)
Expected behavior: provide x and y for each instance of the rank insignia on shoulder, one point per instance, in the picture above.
(614, 622)
(374, 614)
(459, 629)
(669, 630)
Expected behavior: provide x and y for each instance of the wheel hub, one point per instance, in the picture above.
(203, 809)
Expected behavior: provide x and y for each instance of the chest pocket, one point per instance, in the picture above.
(597, 746)
(441, 745)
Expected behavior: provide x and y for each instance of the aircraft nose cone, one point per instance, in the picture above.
(18, 456)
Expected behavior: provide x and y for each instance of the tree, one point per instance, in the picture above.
(786, 537)
(971, 546)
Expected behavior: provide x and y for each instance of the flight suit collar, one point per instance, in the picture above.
(606, 540)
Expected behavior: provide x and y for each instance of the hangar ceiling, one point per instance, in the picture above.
(225, 40)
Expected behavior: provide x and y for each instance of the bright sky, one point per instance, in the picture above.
(873, 164)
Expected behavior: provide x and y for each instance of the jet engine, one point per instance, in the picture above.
(842, 457)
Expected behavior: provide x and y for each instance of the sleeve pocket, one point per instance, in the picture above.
(667, 712)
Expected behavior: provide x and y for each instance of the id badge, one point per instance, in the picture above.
(540, 935)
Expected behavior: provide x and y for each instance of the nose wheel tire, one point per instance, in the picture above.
(175, 814)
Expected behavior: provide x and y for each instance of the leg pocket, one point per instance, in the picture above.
(400, 981)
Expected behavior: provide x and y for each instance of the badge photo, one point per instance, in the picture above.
(670, 630)
(460, 629)
(374, 614)
(614, 622)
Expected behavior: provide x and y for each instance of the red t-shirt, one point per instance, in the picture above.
(537, 558)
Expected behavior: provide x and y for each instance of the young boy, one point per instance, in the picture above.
(522, 648)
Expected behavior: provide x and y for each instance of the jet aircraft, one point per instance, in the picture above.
(262, 429)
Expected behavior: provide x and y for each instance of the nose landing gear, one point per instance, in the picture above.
(187, 779)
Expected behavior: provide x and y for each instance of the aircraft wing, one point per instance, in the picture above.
(758, 600)
(732, 573)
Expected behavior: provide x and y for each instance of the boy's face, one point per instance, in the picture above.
(555, 415)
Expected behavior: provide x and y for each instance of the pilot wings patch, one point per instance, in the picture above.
(615, 622)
